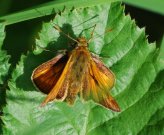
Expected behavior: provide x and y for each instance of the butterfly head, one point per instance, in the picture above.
(82, 41)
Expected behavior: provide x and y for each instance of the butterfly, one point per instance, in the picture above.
(76, 72)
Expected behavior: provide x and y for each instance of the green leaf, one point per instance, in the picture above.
(137, 65)
(4, 58)
(48, 8)
(151, 5)
(4, 69)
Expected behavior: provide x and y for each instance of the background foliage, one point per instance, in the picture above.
(138, 67)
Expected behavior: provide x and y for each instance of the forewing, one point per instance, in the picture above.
(59, 91)
(97, 83)
(46, 75)
(105, 70)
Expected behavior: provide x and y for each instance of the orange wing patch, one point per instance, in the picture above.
(97, 83)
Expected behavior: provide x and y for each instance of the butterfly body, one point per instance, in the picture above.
(73, 73)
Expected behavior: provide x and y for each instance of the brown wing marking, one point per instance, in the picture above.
(46, 75)
(97, 83)
(59, 91)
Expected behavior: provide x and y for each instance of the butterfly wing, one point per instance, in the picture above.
(46, 75)
(97, 83)
(60, 89)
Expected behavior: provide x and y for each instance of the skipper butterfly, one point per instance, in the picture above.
(76, 72)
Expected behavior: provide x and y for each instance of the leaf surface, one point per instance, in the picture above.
(4, 58)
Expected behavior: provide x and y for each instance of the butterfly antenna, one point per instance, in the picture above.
(67, 35)
(106, 31)
(92, 33)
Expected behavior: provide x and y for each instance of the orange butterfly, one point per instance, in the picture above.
(71, 73)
